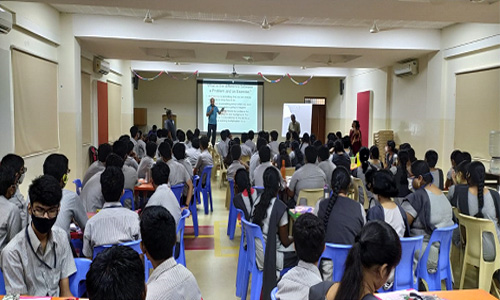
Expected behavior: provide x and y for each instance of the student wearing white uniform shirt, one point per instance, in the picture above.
(16, 162)
(98, 166)
(236, 164)
(205, 159)
(245, 149)
(254, 159)
(10, 218)
(250, 142)
(148, 161)
(163, 195)
(309, 176)
(135, 138)
(265, 157)
(194, 152)
(274, 145)
(325, 164)
(169, 279)
(130, 173)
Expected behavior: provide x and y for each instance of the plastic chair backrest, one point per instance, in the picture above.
(180, 232)
(404, 275)
(358, 183)
(245, 159)
(128, 194)
(311, 196)
(177, 190)
(338, 254)
(78, 185)
(231, 189)
(132, 244)
(252, 232)
(207, 173)
(77, 280)
(273, 293)
(2, 284)
(289, 171)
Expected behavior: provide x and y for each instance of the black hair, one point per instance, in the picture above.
(204, 142)
(309, 238)
(155, 127)
(311, 154)
(274, 135)
(330, 144)
(392, 145)
(103, 151)
(158, 232)
(165, 150)
(261, 143)
(179, 151)
(235, 152)
(305, 138)
(242, 180)
(323, 153)
(338, 146)
(251, 135)
(462, 167)
(317, 144)
(475, 177)
(421, 168)
(411, 154)
(45, 190)
(112, 182)
(153, 138)
(189, 135)
(346, 141)
(196, 143)
(356, 124)
(140, 133)
(266, 136)
(159, 133)
(272, 181)
(299, 156)
(14, 161)
(160, 173)
(55, 165)
(403, 158)
(384, 184)
(223, 135)
(181, 136)
(377, 244)
(431, 157)
(467, 157)
(236, 141)
(7, 179)
(374, 153)
(341, 179)
(170, 142)
(338, 134)
(244, 137)
(454, 155)
(124, 138)
(312, 138)
(116, 273)
(405, 146)
(264, 154)
(369, 179)
(196, 132)
(130, 147)
(151, 149)
(120, 148)
(364, 155)
(114, 160)
(331, 136)
(295, 136)
(133, 131)
(288, 136)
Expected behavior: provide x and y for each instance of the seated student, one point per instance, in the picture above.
(254, 159)
(282, 156)
(116, 273)
(374, 158)
(100, 164)
(390, 154)
(222, 147)
(130, 160)
(142, 145)
(454, 163)
(197, 132)
(39, 261)
(359, 172)
(401, 175)
(459, 181)
(189, 137)
(179, 151)
(178, 173)
(309, 241)
(153, 130)
(384, 186)
(147, 161)
(113, 224)
(10, 218)
(169, 279)
(249, 142)
(245, 195)
(205, 159)
(16, 162)
(427, 209)
(339, 157)
(135, 138)
(325, 164)
(163, 195)
(274, 145)
(305, 143)
(309, 176)
(370, 262)
(130, 173)
(91, 194)
(56, 165)
(431, 158)
(296, 156)
(258, 174)
(480, 202)
(245, 150)
(180, 135)
(193, 153)
(236, 164)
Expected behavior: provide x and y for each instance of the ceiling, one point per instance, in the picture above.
(390, 15)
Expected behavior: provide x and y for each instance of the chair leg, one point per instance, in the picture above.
(211, 202)
(205, 201)
(194, 214)
(231, 224)
(462, 276)
(256, 289)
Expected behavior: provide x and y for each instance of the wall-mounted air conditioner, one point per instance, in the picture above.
(101, 66)
(406, 68)
(5, 21)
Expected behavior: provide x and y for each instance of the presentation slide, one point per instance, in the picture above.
(303, 115)
(241, 100)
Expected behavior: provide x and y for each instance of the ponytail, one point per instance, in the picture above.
(364, 155)
(352, 281)
(271, 187)
(242, 179)
(341, 179)
(476, 177)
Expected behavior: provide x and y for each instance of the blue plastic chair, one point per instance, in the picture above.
(77, 280)
(443, 236)
(2, 284)
(273, 293)
(129, 194)
(136, 245)
(180, 231)
(147, 267)
(78, 185)
(338, 254)
(78, 246)
(242, 261)
(196, 191)
(252, 232)
(177, 190)
(233, 213)
(206, 191)
(192, 206)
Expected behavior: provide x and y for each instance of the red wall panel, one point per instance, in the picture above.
(363, 115)
(102, 111)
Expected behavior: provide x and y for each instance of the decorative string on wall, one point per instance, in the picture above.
(299, 83)
(269, 80)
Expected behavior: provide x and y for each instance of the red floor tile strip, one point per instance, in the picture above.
(199, 243)
(202, 230)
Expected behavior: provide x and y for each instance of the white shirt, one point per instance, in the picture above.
(163, 196)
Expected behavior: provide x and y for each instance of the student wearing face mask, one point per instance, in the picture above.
(38, 261)
(10, 219)
(16, 162)
(56, 165)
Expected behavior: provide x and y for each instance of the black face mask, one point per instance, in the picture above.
(43, 225)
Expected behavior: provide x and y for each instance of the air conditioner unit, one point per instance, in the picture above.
(5, 21)
(101, 66)
(406, 68)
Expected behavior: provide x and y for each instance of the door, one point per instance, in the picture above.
(318, 121)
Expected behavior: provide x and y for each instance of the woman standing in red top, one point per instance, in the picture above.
(355, 136)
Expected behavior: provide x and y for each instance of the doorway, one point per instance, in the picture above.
(318, 119)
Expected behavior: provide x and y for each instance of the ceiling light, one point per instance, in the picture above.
(303, 67)
(374, 28)
(148, 18)
(476, 1)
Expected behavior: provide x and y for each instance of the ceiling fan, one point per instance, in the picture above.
(149, 18)
(265, 24)
(234, 74)
(248, 58)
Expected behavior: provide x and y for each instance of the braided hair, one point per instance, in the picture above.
(403, 158)
(341, 179)
(364, 155)
(242, 180)
(271, 186)
(475, 177)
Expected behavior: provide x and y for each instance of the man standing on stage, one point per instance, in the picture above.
(212, 112)
(294, 126)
